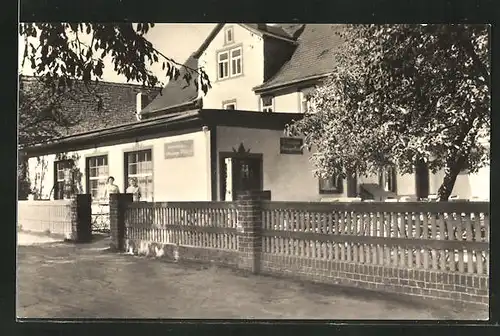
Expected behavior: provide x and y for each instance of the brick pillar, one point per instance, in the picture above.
(117, 206)
(250, 228)
(81, 218)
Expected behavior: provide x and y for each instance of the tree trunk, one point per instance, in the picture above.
(451, 172)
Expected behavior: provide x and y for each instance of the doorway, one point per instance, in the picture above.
(246, 173)
(421, 180)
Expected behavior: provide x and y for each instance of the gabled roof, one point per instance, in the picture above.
(313, 58)
(263, 29)
(177, 92)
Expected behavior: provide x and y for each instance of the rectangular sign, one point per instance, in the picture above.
(291, 145)
(179, 149)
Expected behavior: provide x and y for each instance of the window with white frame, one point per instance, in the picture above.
(229, 35)
(331, 185)
(236, 62)
(63, 178)
(387, 178)
(304, 102)
(139, 164)
(229, 105)
(267, 104)
(223, 65)
(230, 63)
(98, 170)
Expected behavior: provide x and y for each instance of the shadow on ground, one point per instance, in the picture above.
(64, 280)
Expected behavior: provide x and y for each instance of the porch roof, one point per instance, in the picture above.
(174, 122)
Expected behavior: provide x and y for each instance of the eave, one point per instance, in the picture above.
(162, 125)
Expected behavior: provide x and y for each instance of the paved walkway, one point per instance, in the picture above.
(61, 280)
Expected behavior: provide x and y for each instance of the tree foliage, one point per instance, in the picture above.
(59, 54)
(63, 56)
(400, 94)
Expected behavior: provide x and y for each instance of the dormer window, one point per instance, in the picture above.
(267, 104)
(230, 63)
(229, 105)
(304, 103)
(229, 35)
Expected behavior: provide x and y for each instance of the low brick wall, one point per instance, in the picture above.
(173, 252)
(437, 251)
(424, 284)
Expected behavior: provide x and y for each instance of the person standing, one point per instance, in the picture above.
(134, 189)
(111, 188)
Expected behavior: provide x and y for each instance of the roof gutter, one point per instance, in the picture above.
(262, 88)
(116, 130)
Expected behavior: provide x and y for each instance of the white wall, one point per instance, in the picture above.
(174, 179)
(287, 102)
(289, 177)
(239, 88)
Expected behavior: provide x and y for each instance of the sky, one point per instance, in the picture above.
(176, 41)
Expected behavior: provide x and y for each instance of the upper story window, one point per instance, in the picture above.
(229, 105)
(267, 104)
(230, 63)
(228, 35)
(236, 62)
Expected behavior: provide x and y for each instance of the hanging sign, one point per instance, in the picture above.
(179, 149)
(291, 145)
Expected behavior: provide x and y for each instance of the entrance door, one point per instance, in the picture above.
(352, 185)
(246, 174)
(421, 180)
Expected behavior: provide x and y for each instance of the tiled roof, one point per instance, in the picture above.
(277, 30)
(176, 92)
(117, 106)
(313, 57)
(286, 29)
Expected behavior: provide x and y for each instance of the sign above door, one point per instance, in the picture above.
(291, 146)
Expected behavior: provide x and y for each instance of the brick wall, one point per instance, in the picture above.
(326, 243)
(427, 284)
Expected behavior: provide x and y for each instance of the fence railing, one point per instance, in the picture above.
(198, 224)
(452, 237)
(45, 216)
